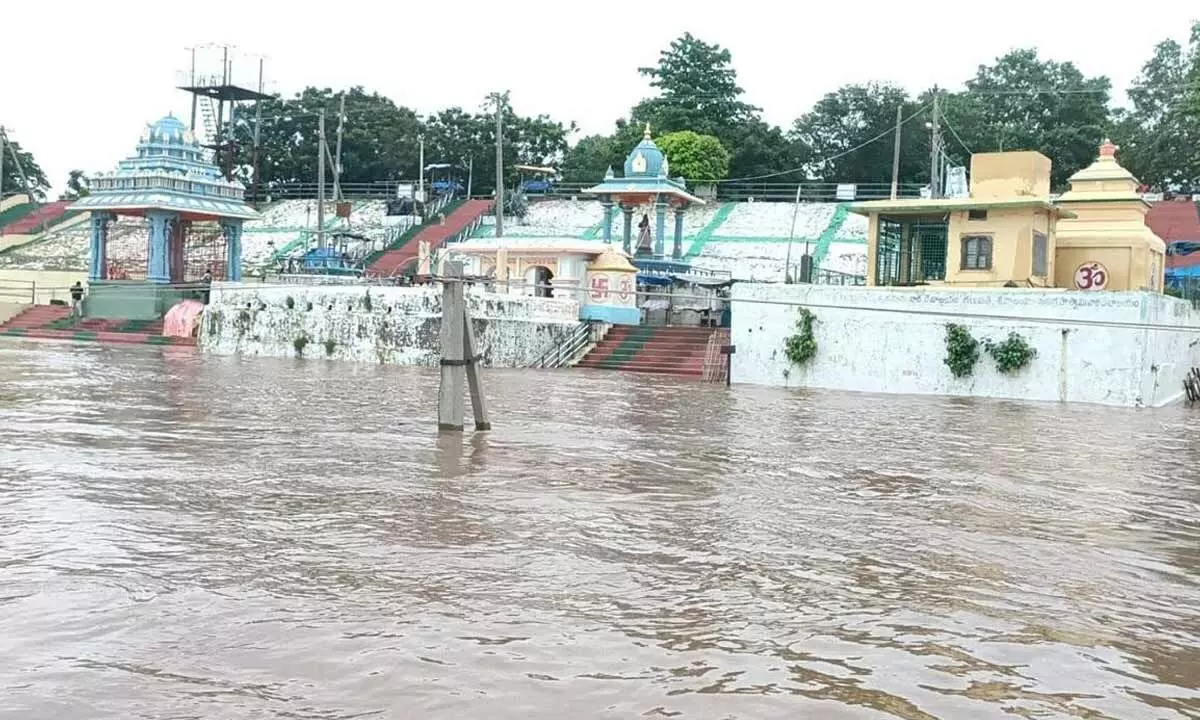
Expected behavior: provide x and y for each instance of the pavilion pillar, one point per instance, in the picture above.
(158, 245)
(178, 262)
(677, 250)
(628, 239)
(231, 228)
(660, 226)
(98, 260)
(608, 206)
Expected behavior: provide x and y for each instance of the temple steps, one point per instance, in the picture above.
(394, 262)
(674, 351)
(54, 322)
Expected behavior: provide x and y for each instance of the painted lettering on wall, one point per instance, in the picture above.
(1091, 276)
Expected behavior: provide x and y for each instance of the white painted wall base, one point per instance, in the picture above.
(398, 325)
(902, 349)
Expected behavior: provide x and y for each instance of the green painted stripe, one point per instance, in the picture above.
(158, 340)
(15, 332)
(597, 230)
(629, 347)
(84, 335)
(823, 242)
(707, 232)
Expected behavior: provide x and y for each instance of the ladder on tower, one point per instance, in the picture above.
(208, 120)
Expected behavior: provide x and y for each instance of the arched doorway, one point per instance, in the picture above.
(537, 281)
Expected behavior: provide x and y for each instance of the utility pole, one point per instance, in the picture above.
(2, 142)
(257, 128)
(896, 152)
(470, 175)
(501, 99)
(337, 157)
(935, 150)
(421, 170)
(321, 180)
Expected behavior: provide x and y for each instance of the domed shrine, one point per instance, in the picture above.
(646, 183)
(193, 219)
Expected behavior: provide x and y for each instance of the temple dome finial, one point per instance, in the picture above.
(646, 134)
(1108, 149)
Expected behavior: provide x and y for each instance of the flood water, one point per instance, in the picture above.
(185, 536)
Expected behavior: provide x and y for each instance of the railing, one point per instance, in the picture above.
(766, 191)
(18, 291)
(566, 350)
(834, 277)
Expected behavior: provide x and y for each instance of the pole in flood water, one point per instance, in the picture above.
(460, 362)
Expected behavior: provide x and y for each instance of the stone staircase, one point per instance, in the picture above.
(680, 351)
(394, 262)
(54, 322)
(44, 215)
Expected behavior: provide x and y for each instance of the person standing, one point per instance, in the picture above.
(206, 283)
(77, 300)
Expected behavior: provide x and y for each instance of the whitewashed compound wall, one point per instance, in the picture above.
(902, 350)
(395, 325)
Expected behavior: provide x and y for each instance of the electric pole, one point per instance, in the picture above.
(421, 170)
(470, 175)
(501, 99)
(321, 150)
(337, 157)
(1, 163)
(896, 152)
(935, 150)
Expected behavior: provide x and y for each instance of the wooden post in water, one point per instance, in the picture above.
(460, 362)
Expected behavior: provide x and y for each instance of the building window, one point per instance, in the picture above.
(976, 252)
(1040, 254)
(977, 214)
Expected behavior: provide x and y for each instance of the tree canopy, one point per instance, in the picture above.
(698, 110)
(16, 175)
(697, 158)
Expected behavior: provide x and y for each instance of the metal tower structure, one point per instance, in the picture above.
(221, 81)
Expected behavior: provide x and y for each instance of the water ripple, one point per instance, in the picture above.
(186, 536)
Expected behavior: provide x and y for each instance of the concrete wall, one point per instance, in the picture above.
(9, 310)
(396, 325)
(902, 350)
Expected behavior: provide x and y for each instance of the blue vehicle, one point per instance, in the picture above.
(537, 180)
(442, 181)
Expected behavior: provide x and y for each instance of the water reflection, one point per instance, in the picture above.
(184, 536)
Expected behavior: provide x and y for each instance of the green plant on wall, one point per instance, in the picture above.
(300, 343)
(1011, 354)
(962, 350)
(366, 301)
(801, 347)
(330, 345)
(290, 302)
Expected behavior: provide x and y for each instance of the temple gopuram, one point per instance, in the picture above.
(193, 219)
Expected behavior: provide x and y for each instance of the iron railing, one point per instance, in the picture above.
(18, 291)
(836, 277)
(568, 348)
(730, 191)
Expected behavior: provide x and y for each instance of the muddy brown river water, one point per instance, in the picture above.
(185, 536)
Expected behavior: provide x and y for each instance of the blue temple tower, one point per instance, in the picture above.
(645, 183)
(193, 221)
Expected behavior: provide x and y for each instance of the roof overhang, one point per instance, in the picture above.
(616, 187)
(943, 205)
(139, 203)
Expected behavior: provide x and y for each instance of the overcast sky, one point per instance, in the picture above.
(81, 78)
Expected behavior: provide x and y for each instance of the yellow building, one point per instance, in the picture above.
(1107, 246)
(1002, 234)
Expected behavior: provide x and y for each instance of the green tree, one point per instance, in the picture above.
(700, 159)
(1160, 134)
(77, 186)
(460, 138)
(24, 170)
(848, 136)
(1022, 102)
(593, 155)
(379, 140)
(698, 90)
